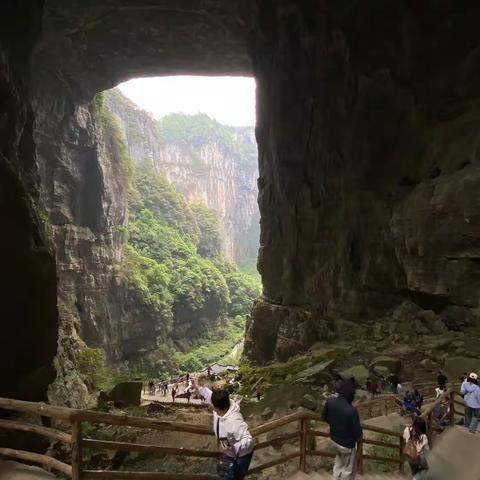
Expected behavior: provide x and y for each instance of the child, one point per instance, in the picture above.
(232, 434)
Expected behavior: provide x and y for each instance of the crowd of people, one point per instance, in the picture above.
(237, 445)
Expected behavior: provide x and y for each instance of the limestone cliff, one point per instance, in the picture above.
(376, 201)
(202, 169)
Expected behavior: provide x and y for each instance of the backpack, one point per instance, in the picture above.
(410, 451)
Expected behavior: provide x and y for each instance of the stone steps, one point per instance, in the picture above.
(328, 476)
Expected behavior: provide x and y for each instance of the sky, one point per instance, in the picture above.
(230, 100)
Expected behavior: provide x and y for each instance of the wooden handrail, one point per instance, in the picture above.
(384, 431)
(39, 429)
(120, 475)
(72, 414)
(44, 460)
(75, 417)
(279, 422)
(137, 447)
(394, 446)
(277, 440)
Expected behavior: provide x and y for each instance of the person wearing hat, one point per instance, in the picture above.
(470, 392)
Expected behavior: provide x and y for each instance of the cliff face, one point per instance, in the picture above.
(84, 190)
(376, 202)
(201, 171)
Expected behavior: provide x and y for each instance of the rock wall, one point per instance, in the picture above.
(204, 174)
(27, 282)
(369, 185)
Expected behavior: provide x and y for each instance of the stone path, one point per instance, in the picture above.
(17, 471)
(169, 399)
(328, 476)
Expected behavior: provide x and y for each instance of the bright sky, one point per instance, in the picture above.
(230, 100)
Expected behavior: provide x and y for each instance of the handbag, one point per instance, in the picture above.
(225, 464)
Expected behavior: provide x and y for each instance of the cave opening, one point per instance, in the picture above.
(184, 154)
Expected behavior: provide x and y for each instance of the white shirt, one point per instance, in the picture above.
(421, 444)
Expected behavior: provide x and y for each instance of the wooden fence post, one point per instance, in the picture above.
(360, 455)
(77, 466)
(402, 463)
(452, 408)
(303, 444)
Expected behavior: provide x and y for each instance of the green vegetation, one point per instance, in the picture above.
(95, 373)
(114, 141)
(173, 267)
(196, 131)
(252, 378)
(212, 347)
(210, 243)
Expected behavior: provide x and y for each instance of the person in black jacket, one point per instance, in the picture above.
(345, 430)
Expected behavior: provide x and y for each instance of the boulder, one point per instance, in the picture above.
(429, 365)
(359, 372)
(309, 401)
(126, 394)
(433, 322)
(456, 366)
(311, 374)
(381, 371)
(391, 363)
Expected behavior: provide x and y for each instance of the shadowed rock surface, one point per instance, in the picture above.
(367, 128)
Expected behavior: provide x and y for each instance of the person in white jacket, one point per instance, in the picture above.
(232, 434)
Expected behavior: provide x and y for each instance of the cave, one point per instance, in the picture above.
(365, 110)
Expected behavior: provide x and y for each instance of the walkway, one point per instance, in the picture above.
(169, 400)
(18, 471)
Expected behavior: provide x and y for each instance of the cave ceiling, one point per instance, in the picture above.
(90, 46)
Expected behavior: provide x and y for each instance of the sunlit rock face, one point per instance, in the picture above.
(369, 164)
(207, 173)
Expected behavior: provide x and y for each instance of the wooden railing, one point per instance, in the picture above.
(307, 429)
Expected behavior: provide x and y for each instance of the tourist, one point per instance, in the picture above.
(174, 393)
(418, 399)
(394, 382)
(232, 433)
(439, 392)
(345, 430)
(442, 381)
(209, 371)
(470, 391)
(151, 386)
(374, 388)
(368, 385)
(409, 402)
(383, 384)
(189, 395)
(463, 377)
(416, 447)
(441, 413)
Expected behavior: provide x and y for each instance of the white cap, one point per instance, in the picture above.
(473, 376)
